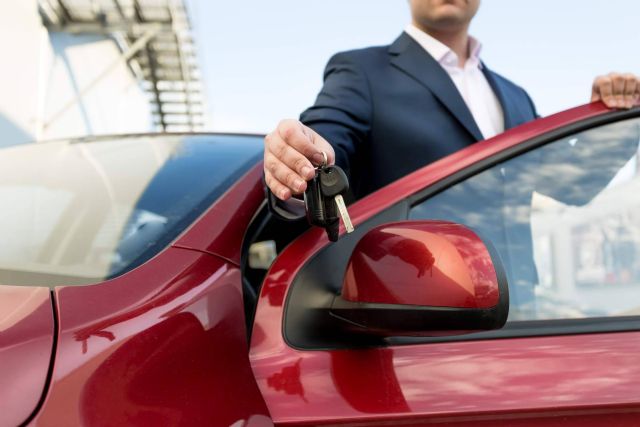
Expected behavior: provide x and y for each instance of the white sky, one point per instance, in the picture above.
(262, 60)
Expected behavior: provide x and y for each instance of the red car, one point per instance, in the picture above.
(135, 288)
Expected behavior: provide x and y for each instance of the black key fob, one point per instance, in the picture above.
(320, 210)
(314, 203)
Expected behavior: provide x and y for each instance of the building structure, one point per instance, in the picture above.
(87, 67)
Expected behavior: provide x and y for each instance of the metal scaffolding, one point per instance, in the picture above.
(156, 40)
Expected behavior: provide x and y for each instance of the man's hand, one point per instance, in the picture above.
(617, 90)
(290, 153)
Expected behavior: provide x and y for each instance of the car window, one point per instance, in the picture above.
(564, 218)
(79, 212)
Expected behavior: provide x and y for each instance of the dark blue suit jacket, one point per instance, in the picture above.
(390, 110)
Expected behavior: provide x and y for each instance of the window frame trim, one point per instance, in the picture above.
(518, 149)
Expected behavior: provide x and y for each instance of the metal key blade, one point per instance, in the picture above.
(342, 208)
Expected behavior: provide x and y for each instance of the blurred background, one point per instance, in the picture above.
(93, 67)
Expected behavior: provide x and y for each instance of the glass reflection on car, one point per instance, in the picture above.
(82, 211)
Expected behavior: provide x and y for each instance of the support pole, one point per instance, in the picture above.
(133, 49)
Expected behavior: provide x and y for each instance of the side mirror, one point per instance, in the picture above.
(422, 278)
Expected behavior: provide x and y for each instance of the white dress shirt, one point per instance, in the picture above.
(470, 81)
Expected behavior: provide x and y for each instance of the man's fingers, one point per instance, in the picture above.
(616, 90)
(281, 191)
(631, 89)
(283, 174)
(618, 81)
(603, 91)
(304, 140)
(294, 135)
(290, 157)
(321, 144)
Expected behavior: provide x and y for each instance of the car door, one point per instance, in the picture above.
(558, 198)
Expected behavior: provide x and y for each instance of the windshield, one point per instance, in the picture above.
(82, 212)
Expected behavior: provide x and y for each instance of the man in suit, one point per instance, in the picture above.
(383, 112)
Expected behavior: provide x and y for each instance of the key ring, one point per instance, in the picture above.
(325, 160)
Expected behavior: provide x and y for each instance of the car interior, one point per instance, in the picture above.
(267, 235)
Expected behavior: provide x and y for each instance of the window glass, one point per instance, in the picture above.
(79, 212)
(565, 219)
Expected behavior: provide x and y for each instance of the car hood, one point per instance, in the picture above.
(26, 343)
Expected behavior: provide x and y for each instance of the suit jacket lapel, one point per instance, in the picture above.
(410, 57)
(505, 103)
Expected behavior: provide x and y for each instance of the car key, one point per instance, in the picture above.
(314, 203)
(333, 184)
(320, 211)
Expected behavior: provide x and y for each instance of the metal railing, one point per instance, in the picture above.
(156, 41)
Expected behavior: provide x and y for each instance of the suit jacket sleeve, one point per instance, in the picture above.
(533, 106)
(343, 109)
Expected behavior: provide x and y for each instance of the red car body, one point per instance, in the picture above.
(166, 343)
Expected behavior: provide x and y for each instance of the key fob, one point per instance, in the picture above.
(314, 203)
(333, 184)
(333, 181)
(320, 210)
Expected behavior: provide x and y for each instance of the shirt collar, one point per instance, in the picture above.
(441, 52)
